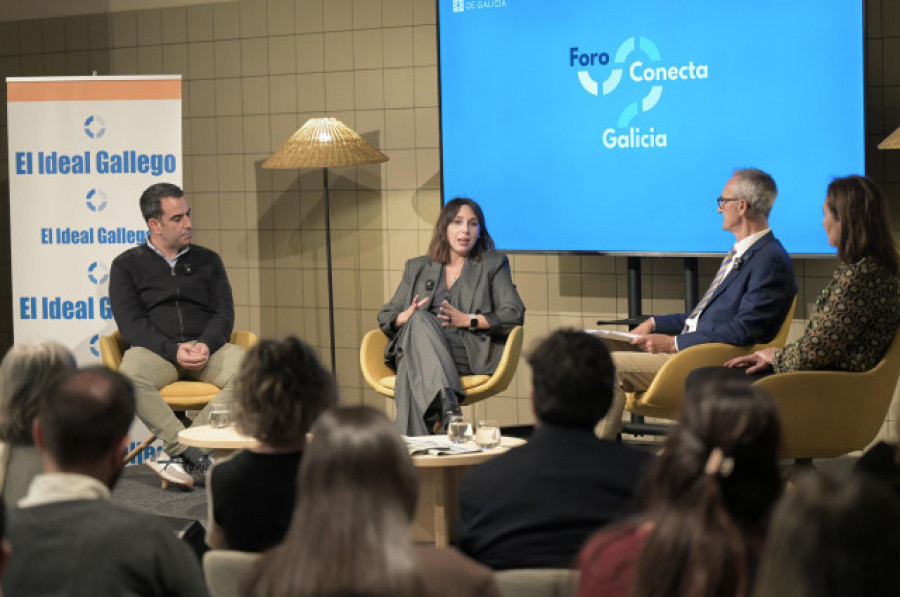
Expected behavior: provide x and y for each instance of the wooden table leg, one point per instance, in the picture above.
(438, 504)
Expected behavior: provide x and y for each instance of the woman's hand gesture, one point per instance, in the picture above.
(415, 306)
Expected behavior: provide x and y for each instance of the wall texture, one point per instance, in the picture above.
(255, 70)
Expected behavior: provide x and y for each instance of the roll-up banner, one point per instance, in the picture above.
(81, 151)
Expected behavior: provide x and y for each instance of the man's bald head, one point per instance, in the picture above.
(84, 415)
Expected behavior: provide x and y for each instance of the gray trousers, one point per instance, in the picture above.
(424, 365)
(149, 372)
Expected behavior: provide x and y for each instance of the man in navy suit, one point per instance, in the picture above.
(745, 304)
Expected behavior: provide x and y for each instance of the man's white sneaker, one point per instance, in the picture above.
(172, 470)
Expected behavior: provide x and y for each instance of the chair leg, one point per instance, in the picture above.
(140, 448)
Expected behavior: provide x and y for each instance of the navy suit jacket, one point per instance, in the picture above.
(749, 305)
(535, 506)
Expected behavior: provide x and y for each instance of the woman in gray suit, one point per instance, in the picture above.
(450, 316)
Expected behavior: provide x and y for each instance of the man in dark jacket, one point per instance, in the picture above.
(534, 506)
(173, 305)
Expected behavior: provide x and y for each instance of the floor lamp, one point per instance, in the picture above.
(325, 143)
(892, 141)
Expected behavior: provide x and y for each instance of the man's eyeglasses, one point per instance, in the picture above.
(723, 200)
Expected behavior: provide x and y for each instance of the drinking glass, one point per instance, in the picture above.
(487, 435)
(220, 416)
(458, 430)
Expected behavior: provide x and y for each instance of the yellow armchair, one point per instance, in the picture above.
(477, 387)
(825, 414)
(664, 397)
(181, 396)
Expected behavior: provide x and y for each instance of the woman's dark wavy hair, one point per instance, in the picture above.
(280, 391)
(859, 204)
(350, 533)
(709, 527)
(439, 249)
(833, 537)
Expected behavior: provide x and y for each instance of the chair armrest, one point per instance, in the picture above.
(244, 338)
(505, 371)
(665, 395)
(828, 413)
(371, 358)
(111, 351)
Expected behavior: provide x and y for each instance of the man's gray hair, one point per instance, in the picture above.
(25, 374)
(758, 188)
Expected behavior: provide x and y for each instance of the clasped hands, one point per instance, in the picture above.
(192, 355)
(448, 316)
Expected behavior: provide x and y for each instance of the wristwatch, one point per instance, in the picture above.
(473, 323)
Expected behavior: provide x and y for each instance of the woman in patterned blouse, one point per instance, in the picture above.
(857, 313)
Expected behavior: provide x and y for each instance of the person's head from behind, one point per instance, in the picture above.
(726, 441)
(857, 222)
(357, 452)
(358, 491)
(280, 390)
(572, 376)
(460, 229)
(25, 373)
(82, 425)
(710, 494)
(833, 537)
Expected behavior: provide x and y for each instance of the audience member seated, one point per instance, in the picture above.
(280, 390)
(351, 531)
(857, 314)
(881, 463)
(25, 373)
(66, 536)
(832, 538)
(709, 497)
(534, 506)
(4, 544)
(449, 317)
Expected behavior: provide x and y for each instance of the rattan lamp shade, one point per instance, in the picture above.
(892, 142)
(323, 143)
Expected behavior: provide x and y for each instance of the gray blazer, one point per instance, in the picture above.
(486, 289)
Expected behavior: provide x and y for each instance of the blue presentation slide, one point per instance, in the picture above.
(588, 125)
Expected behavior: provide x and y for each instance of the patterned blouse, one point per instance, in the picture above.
(852, 325)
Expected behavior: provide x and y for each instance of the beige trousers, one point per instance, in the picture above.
(149, 372)
(635, 370)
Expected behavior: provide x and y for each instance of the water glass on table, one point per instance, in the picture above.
(487, 435)
(220, 416)
(458, 430)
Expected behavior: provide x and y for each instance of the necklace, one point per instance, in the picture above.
(452, 275)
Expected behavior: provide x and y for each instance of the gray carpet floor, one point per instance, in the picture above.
(139, 489)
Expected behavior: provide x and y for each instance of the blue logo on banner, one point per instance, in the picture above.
(94, 127)
(96, 200)
(95, 345)
(98, 273)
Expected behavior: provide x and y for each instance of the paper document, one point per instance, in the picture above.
(437, 446)
(621, 336)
